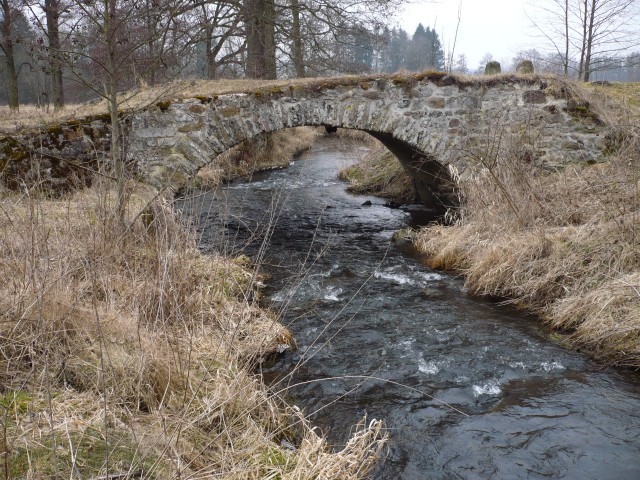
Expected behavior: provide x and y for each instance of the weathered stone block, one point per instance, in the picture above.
(534, 96)
(191, 127)
(525, 66)
(492, 68)
(438, 102)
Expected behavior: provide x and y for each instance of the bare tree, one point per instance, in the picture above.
(312, 35)
(110, 44)
(46, 14)
(260, 20)
(585, 30)
(216, 32)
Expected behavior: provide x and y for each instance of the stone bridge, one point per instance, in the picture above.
(437, 125)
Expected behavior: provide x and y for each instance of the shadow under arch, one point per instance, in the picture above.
(432, 180)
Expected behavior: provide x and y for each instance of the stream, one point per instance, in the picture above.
(467, 388)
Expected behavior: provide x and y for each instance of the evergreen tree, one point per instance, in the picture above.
(397, 51)
(425, 50)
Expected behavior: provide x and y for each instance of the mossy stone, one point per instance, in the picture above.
(525, 66)
(163, 105)
(492, 68)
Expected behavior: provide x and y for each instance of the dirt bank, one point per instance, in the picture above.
(563, 244)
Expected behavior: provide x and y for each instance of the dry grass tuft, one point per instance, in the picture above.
(566, 244)
(125, 351)
(618, 100)
(379, 172)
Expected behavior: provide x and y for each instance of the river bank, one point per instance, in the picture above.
(127, 352)
(467, 388)
(378, 172)
(563, 244)
(275, 150)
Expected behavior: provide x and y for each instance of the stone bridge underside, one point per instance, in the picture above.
(438, 126)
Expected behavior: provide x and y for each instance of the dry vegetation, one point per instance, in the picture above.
(269, 151)
(126, 352)
(565, 244)
(378, 172)
(31, 116)
(627, 94)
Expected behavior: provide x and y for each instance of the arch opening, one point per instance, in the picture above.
(432, 180)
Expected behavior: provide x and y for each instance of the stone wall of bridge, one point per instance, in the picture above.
(436, 125)
(433, 126)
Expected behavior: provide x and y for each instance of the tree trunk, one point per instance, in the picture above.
(583, 48)
(112, 99)
(261, 46)
(150, 44)
(211, 56)
(52, 11)
(7, 48)
(587, 57)
(298, 51)
(566, 38)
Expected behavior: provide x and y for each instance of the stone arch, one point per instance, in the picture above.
(434, 123)
(428, 124)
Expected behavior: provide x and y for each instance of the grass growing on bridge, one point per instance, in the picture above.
(566, 244)
(206, 90)
(126, 353)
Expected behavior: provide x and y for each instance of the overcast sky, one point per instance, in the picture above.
(499, 27)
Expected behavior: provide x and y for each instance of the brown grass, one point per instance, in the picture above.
(268, 151)
(378, 172)
(621, 99)
(565, 245)
(124, 350)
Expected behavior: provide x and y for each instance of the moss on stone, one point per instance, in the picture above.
(55, 129)
(492, 68)
(581, 109)
(269, 91)
(12, 150)
(103, 117)
(229, 111)
(525, 67)
(164, 105)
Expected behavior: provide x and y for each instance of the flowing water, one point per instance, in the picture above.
(467, 388)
